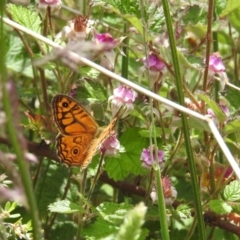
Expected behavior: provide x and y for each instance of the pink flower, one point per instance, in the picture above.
(110, 146)
(105, 38)
(123, 96)
(215, 64)
(54, 5)
(169, 191)
(212, 115)
(108, 43)
(147, 162)
(154, 63)
(155, 66)
(76, 29)
(224, 108)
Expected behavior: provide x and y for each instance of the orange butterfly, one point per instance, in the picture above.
(79, 136)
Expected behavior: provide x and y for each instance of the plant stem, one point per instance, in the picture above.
(196, 191)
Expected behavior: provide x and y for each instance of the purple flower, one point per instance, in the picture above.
(147, 162)
(110, 146)
(154, 63)
(123, 96)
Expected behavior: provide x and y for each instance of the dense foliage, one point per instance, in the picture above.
(170, 172)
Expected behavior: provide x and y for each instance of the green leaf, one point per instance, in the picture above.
(225, 38)
(220, 207)
(48, 188)
(214, 106)
(233, 18)
(65, 206)
(157, 20)
(99, 229)
(96, 90)
(113, 212)
(63, 230)
(194, 15)
(220, 5)
(136, 22)
(232, 127)
(198, 30)
(131, 227)
(146, 132)
(129, 161)
(125, 7)
(231, 6)
(233, 97)
(184, 211)
(25, 17)
(193, 123)
(89, 72)
(10, 206)
(232, 191)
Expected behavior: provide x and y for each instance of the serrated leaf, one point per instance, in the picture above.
(25, 17)
(129, 161)
(232, 191)
(158, 19)
(125, 7)
(96, 90)
(113, 212)
(184, 211)
(220, 207)
(89, 72)
(64, 206)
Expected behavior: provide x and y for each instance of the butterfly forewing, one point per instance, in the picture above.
(71, 118)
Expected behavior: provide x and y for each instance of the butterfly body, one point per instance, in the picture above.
(77, 141)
